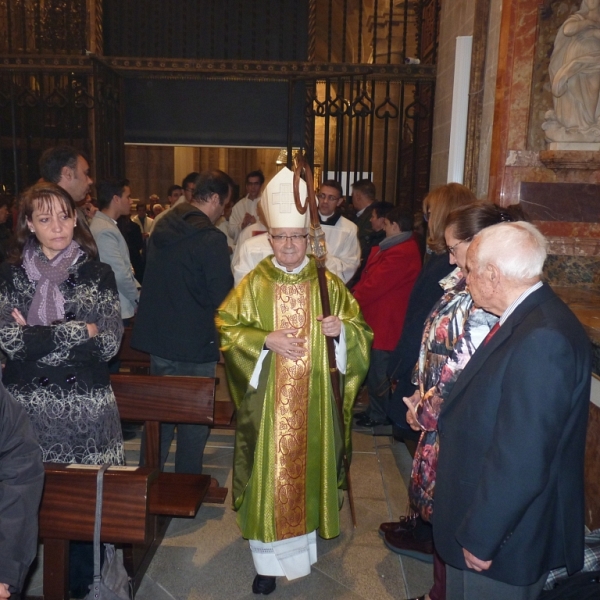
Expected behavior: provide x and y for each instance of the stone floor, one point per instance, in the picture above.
(206, 559)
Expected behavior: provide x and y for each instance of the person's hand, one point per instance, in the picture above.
(248, 220)
(285, 343)
(411, 413)
(20, 320)
(4, 593)
(476, 563)
(92, 329)
(331, 326)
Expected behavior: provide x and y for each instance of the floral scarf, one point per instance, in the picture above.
(453, 331)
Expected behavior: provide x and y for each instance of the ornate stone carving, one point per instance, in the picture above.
(575, 78)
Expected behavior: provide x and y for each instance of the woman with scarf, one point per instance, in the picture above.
(60, 324)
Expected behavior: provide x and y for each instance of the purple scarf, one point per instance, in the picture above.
(48, 304)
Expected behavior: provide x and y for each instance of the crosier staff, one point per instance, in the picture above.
(319, 250)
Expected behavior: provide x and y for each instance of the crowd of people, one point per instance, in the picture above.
(466, 356)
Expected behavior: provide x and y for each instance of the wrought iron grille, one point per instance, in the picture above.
(366, 110)
(78, 105)
(51, 26)
(373, 128)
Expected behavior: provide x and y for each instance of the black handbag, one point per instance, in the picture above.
(582, 586)
(112, 582)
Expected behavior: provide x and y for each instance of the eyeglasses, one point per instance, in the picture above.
(323, 196)
(295, 238)
(452, 249)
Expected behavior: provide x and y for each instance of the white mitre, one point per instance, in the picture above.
(277, 201)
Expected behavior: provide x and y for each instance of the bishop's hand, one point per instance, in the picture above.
(286, 342)
(331, 326)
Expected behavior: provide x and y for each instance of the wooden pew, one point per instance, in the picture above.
(132, 360)
(67, 512)
(138, 502)
(136, 362)
(156, 399)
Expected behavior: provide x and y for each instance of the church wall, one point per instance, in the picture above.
(456, 19)
(489, 97)
(560, 189)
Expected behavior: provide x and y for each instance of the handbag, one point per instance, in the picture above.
(112, 583)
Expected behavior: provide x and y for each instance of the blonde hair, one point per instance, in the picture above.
(438, 204)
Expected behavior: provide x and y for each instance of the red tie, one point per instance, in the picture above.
(490, 335)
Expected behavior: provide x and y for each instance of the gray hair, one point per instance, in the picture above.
(518, 250)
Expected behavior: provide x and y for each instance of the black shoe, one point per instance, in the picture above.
(404, 524)
(359, 416)
(371, 423)
(263, 584)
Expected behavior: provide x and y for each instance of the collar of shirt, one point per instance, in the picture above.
(360, 212)
(293, 271)
(332, 219)
(511, 309)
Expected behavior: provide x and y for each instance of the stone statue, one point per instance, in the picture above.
(575, 77)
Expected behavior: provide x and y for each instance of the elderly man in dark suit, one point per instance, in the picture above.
(509, 489)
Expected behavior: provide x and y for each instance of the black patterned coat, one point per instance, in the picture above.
(57, 372)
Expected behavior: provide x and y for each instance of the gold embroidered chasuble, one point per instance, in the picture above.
(288, 454)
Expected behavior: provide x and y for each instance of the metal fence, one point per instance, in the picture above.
(368, 107)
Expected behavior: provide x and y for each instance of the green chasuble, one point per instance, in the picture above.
(288, 470)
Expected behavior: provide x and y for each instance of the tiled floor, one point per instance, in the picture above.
(205, 558)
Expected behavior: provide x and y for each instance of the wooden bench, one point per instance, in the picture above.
(138, 501)
(136, 362)
(154, 400)
(67, 512)
(132, 360)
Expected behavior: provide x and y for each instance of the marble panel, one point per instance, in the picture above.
(577, 202)
(523, 61)
(570, 159)
(580, 239)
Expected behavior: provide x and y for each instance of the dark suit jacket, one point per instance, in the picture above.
(367, 239)
(402, 361)
(509, 484)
